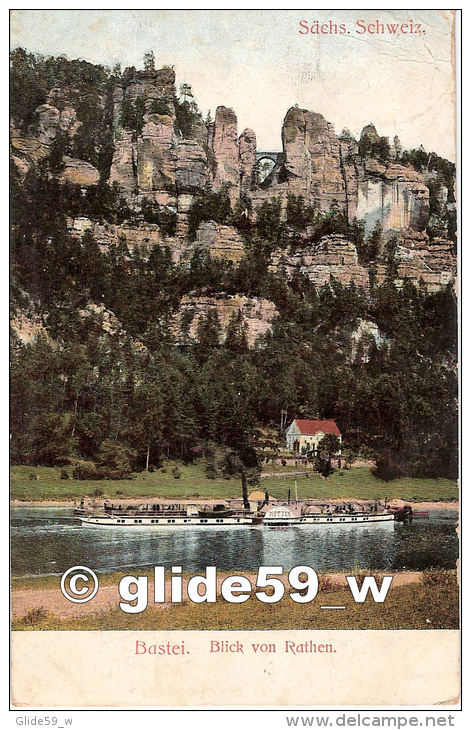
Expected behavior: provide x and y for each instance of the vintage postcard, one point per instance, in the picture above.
(234, 358)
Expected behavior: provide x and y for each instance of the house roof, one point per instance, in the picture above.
(309, 427)
(258, 494)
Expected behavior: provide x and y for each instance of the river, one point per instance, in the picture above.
(48, 540)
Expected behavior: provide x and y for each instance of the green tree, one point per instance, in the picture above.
(243, 461)
(327, 448)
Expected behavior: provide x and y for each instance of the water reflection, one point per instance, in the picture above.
(50, 540)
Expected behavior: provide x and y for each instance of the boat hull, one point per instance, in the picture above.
(193, 521)
(339, 519)
(112, 521)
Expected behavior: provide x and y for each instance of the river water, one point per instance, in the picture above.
(48, 540)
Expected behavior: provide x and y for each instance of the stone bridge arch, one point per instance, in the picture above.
(264, 164)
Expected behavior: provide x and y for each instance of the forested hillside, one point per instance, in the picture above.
(168, 301)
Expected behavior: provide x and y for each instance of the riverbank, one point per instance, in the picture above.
(416, 600)
(71, 503)
(44, 486)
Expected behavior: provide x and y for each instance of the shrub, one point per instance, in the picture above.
(438, 577)
(34, 616)
(326, 584)
(158, 106)
(211, 471)
(387, 468)
(168, 222)
(297, 214)
(83, 472)
(64, 474)
(97, 492)
(114, 459)
(209, 206)
(176, 472)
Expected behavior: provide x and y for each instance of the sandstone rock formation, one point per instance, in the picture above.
(123, 170)
(191, 166)
(48, 123)
(369, 133)
(247, 159)
(147, 161)
(27, 326)
(223, 242)
(143, 236)
(363, 336)
(225, 151)
(312, 153)
(334, 256)
(326, 170)
(420, 260)
(391, 194)
(26, 151)
(78, 172)
(258, 314)
(155, 161)
(156, 154)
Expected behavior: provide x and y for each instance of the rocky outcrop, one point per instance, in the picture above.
(155, 162)
(26, 151)
(109, 324)
(247, 159)
(222, 242)
(27, 326)
(419, 260)
(50, 120)
(258, 314)
(191, 167)
(362, 338)
(123, 170)
(370, 134)
(393, 195)
(68, 121)
(79, 172)
(334, 256)
(48, 123)
(349, 162)
(326, 170)
(225, 152)
(143, 236)
(147, 161)
(312, 158)
(156, 154)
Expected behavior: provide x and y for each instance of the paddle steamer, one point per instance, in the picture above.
(177, 515)
(272, 514)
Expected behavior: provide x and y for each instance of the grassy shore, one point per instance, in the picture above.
(357, 483)
(429, 601)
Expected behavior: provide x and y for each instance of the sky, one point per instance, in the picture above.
(258, 63)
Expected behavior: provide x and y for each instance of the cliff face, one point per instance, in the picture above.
(420, 259)
(157, 158)
(393, 195)
(225, 150)
(222, 242)
(334, 256)
(312, 158)
(257, 315)
(247, 160)
(326, 170)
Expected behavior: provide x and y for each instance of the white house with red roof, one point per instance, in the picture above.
(304, 434)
